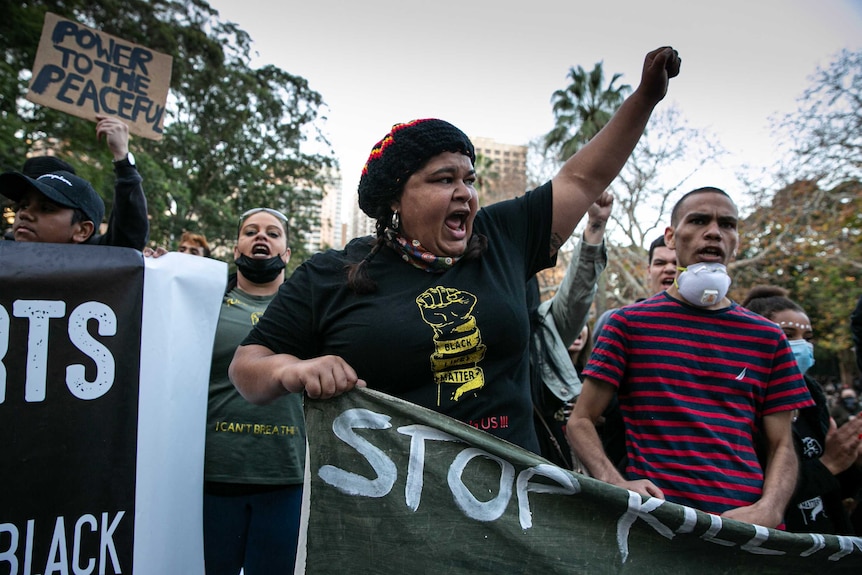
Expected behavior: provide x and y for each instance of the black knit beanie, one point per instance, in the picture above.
(400, 153)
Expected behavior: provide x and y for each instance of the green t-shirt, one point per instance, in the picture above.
(248, 443)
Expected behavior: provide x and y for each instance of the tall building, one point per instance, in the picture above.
(504, 175)
(330, 235)
(360, 224)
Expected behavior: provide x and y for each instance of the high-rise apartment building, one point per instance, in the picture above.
(503, 172)
(330, 235)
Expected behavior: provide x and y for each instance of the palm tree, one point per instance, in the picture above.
(583, 108)
(487, 179)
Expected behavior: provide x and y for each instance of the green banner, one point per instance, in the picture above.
(396, 488)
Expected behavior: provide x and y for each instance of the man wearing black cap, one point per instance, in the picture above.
(128, 224)
(58, 207)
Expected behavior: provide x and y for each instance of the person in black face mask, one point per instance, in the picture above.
(851, 404)
(255, 455)
(846, 407)
(258, 262)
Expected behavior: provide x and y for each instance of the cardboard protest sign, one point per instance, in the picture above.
(85, 72)
(104, 369)
(396, 488)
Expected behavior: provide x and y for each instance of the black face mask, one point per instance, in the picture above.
(260, 271)
(851, 404)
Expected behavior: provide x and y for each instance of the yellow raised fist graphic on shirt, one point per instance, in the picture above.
(457, 340)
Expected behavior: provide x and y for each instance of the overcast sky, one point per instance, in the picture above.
(490, 67)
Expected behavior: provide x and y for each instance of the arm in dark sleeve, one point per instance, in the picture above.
(814, 479)
(570, 307)
(128, 224)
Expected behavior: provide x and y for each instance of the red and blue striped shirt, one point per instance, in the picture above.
(693, 388)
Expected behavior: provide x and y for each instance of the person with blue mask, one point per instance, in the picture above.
(829, 456)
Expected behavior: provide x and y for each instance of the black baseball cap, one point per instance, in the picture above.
(41, 165)
(61, 187)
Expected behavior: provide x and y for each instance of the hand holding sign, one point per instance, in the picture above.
(116, 134)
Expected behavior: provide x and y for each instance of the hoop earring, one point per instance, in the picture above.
(395, 222)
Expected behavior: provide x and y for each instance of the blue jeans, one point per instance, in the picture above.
(256, 532)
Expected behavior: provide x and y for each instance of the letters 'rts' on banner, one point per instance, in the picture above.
(396, 488)
(85, 72)
(104, 369)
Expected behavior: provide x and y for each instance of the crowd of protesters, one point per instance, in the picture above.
(701, 395)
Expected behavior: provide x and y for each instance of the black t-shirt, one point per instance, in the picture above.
(456, 342)
(816, 505)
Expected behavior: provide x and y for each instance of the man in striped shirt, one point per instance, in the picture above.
(698, 378)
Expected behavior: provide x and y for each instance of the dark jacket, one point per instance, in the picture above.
(817, 503)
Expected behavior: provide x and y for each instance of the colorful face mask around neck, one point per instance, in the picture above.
(413, 253)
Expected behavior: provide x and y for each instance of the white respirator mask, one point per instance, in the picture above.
(703, 284)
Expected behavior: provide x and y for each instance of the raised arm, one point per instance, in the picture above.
(570, 306)
(128, 222)
(590, 171)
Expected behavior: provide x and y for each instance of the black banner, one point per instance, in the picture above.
(70, 334)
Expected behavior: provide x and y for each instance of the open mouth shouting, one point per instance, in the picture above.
(711, 254)
(260, 250)
(457, 223)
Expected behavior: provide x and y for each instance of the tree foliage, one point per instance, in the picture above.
(582, 108)
(487, 177)
(809, 241)
(235, 137)
(807, 236)
(824, 135)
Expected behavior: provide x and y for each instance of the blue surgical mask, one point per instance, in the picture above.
(804, 352)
